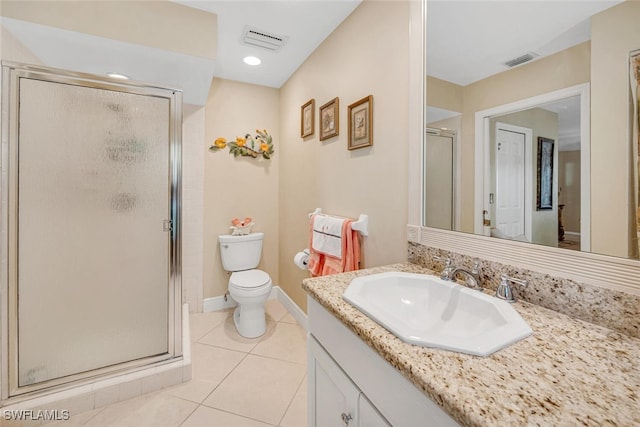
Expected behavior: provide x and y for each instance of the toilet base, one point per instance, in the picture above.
(250, 321)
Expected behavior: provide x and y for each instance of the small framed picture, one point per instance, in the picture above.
(329, 119)
(361, 123)
(307, 118)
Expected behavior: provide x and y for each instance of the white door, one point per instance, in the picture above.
(513, 180)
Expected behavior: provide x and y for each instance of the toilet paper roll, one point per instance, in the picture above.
(301, 259)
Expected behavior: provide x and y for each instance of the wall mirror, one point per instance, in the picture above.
(536, 100)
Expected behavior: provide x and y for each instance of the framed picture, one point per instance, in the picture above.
(329, 119)
(544, 197)
(307, 118)
(361, 123)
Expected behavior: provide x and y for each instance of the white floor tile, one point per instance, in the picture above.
(152, 410)
(260, 388)
(212, 364)
(209, 417)
(286, 342)
(296, 415)
(274, 310)
(202, 323)
(226, 336)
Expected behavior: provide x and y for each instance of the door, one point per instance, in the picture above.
(91, 284)
(439, 179)
(512, 181)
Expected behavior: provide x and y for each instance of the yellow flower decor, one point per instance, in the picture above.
(260, 145)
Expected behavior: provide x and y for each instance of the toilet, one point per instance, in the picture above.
(248, 286)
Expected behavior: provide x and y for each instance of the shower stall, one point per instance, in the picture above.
(90, 227)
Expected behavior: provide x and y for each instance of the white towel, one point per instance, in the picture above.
(327, 235)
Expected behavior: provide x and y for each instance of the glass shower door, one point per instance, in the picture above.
(92, 244)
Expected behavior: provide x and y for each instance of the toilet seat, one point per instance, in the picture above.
(249, 279)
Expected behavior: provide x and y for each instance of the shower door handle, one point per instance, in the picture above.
(167, 225)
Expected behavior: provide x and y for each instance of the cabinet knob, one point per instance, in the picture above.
(346, 418)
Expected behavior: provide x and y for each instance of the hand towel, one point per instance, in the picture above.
(321, 265)
(327, 235)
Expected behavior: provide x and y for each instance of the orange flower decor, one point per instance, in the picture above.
(260, 145)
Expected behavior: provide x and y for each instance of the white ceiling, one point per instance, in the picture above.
(306, 22)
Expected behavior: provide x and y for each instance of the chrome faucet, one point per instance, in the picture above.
(448, 268)
(473, 278)
(504, 290)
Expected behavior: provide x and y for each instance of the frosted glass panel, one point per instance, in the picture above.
(93, 259)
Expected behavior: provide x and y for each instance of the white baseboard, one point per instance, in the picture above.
(292, 308)
(219, 303)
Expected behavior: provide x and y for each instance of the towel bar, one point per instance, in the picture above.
(361, 225)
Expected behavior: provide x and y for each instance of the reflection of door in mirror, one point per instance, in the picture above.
(556, 117)
(439, 179)
(511, 186)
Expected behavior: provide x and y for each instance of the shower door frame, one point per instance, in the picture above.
(11, 74)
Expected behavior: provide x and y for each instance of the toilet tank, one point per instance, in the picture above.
(240, 253)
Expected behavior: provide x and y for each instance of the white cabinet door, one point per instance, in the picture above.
(368, 415)
(333, 398)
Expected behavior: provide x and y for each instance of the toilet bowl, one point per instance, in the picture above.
(250, 289)
(248, 286)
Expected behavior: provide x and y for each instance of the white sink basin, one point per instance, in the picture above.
(427, 311)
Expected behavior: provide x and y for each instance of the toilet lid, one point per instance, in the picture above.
(249, 278)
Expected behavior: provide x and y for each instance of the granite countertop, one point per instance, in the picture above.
(569, 372)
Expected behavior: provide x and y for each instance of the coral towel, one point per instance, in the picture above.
(321, 264)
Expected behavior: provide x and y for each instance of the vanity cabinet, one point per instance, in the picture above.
(351, 385)
(336, 401)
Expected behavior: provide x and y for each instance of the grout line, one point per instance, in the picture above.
(292, 399)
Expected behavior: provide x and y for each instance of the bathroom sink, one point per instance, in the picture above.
(427, 311)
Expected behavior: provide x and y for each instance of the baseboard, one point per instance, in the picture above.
(293, 308)
(219, 303)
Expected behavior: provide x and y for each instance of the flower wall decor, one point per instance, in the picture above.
(260, 145)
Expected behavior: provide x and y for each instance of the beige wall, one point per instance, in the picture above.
(366, 55)
(445, 95)
(242, 186)
(569, 183)
(615, 33)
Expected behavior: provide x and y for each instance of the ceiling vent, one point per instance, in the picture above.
(264, 39)
(529, 56)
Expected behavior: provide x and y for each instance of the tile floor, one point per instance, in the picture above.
(237, 382)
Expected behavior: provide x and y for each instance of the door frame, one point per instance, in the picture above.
(482, 147)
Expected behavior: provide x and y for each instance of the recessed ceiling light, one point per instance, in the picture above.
(118, 76)
(252, 60)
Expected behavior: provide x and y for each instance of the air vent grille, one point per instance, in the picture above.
(521, 59)
(264, 39)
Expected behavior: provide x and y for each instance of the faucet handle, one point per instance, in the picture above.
(504, 290)
(448, 267)
(476, 265)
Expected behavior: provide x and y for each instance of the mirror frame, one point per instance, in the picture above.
(584, 267)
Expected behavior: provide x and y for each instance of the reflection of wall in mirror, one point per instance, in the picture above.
(567, 68)
(569, 190)
(615, 33)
